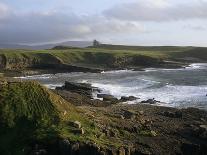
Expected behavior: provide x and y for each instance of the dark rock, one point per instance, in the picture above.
(80, 88)
(125, 99)
(37, 150)
(75, 124)
(64, 147)
(107, 97)
(202, 131)
(193, 149)
(177, 114)
(128, 114)
(150, 101)
(79, 131)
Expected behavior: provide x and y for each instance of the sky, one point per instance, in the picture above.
(129, 22)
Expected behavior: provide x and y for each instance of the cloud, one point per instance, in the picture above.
(52, 26)
(4, 11)
(158, 10)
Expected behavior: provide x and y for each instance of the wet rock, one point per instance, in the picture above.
(125, 99)
(107, 97)
(80, 88)
(151, 101)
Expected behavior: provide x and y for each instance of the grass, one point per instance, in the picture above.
(105, 56)
(31, 113)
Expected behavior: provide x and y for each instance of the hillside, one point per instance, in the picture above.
(105, 57)
(32, 115)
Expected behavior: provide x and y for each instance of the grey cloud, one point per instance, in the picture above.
(55, 26)
(149, 10)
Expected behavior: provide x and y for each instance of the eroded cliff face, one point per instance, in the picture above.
(39, 60)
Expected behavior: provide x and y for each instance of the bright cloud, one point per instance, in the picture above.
(158, 10)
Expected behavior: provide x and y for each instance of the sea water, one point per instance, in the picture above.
(183, 87)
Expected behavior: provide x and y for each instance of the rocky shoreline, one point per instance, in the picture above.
(152, 129)
(123, 129)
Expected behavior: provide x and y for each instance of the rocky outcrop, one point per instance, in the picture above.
(150, 101)
(129, 98)
(80, 88)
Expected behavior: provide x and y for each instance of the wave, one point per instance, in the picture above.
(53, 86)
(34, 77)
(193, 66)
(197, 66)
(118, 71)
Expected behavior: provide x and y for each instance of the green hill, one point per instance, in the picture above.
(30, 113)
(101, 57)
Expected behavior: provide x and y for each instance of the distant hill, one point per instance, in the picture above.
(141, 48)
(47, 46)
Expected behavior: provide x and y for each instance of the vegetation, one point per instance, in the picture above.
(31, 113)
(102, 56)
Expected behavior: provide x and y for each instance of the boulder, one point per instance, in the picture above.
(151, 101)
(80, 88)
(107, 97)
(75, 124)
(130, 98)
(79, 131)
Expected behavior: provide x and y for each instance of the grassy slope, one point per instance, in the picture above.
(30, 112)
(106, 56)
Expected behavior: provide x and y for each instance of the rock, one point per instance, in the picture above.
(125, 99)
(122, 117)
(177, 114)
(191, 149)
(76, 124)
(80, 88)
(128, 114)
(153, 133)
(121, 151)
(107, 97)
(38, 150)
(79, 131)
(141, 112)
(204, 127)
(64, 146)
(150, 101)
(203, 131)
